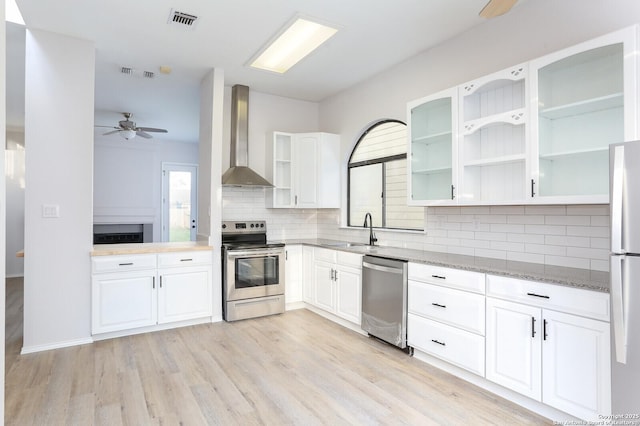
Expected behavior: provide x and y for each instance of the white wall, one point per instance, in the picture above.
(127, 185)
(530, 30)
(3, 199)
(14, 164)
(268, 113)
(59, 171)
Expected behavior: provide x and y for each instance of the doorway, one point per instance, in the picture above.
(179, 202)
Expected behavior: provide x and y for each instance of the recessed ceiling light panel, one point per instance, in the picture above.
(297, 40)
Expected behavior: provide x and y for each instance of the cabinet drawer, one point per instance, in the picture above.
(577, 301)
(133, 262)
(350, 259)
(185, 258)
(454, 307)
(459, 347)
(454, 278)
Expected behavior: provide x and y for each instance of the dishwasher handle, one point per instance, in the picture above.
(382, 268)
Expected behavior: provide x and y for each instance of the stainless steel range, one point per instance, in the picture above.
(252, 271)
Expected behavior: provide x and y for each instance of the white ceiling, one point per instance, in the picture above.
(374, 35)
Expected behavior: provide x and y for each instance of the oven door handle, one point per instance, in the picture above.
(232, 254)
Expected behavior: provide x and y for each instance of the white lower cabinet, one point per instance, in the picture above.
(446, 315)
(293, 271)
(308, 274)
(560, 359)
(337, 283)
(133, 291)
(123, 300)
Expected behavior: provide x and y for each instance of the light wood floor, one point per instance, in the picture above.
(295, 368)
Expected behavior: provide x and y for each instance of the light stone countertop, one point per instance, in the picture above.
(148, 248)
(572, 277)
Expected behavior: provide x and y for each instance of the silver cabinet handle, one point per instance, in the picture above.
(439, 305)
(125, 264)
(438, 342)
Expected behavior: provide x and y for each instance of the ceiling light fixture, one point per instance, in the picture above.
(12, 12)
(127, 134)
(296, 41)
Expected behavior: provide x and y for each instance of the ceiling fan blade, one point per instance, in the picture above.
(143, 134)
(111, 132)
(108, 127)
(151, 129)
(496, 8)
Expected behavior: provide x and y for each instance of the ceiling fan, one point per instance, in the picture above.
(496, 8)
(128, 129)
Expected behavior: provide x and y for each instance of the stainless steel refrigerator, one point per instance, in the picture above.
(624, 193)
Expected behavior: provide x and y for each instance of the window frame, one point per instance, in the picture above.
(383, 161)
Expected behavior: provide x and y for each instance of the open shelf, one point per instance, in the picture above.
(615, 100)
(506, 159)
(442, 137)
(431, 171)
(514, 117)
(556, 155)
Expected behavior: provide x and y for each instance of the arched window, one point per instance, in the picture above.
(377, 179)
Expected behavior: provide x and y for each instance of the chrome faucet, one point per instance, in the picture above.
(372, 237)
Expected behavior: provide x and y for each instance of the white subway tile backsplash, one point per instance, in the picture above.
(526, 219)
(494, 254)
(545, 249)
(562, 240)
(546, 229)
(588, 231)
(568, 220)
(491, 236)
(599, 220)
(570, 262)
(600, 265)
(546, 210)
(526, 238)
(525, 257)
(589, 210)
(572, 236)
(512, 228)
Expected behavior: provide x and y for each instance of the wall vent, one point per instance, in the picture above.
(185, 20)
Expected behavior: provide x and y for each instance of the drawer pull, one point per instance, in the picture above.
(439, 305)
(125, 264)
(439, 343)
(154, 283)
(544, 329)
(186, 260)
(538, 295)
(440, 277)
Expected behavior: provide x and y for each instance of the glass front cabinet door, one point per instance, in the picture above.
(586, 100)
(432, 149)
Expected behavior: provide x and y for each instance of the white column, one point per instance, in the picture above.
(59, 105)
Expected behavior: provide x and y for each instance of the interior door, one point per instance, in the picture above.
(179, 202)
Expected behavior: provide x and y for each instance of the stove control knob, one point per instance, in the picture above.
(262, 225)
(252, 225)
(224, 226)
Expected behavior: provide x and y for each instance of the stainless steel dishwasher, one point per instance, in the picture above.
(384, 299)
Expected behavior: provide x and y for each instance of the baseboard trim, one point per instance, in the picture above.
(523, 401)
(57, 345)
(158, 327)
(14, 275)
(335, 318)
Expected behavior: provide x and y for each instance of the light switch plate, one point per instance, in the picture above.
(50, 210)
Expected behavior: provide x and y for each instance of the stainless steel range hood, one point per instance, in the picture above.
(239, 174)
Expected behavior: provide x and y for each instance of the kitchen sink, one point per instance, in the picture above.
(344, 244)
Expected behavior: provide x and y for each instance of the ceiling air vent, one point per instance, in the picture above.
(126, 70)
(185, 20)
(148, 74)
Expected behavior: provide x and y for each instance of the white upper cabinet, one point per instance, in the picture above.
(584, 99)
(492, 142)
(535, 133)
(432, 149)
(304, 169)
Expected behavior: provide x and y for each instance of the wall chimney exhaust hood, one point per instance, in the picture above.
(239, 174)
